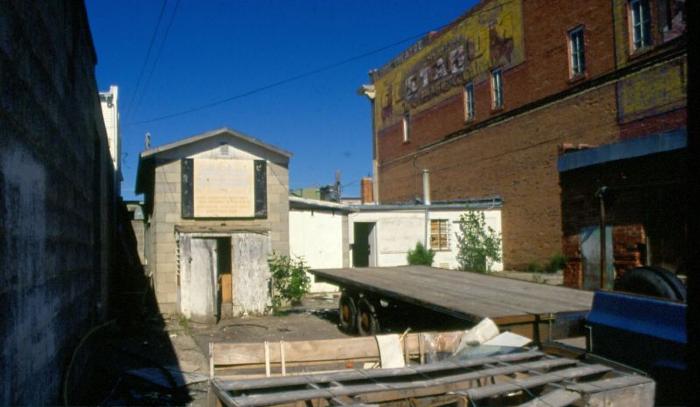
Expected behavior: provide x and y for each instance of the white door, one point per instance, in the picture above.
(198, 289)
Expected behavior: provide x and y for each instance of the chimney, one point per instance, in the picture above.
(366, 190)
(426, 187)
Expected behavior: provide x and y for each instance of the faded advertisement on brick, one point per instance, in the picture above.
(488, 37)
(650, 92)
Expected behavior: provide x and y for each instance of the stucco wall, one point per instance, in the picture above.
(398, 231)
(317, 236)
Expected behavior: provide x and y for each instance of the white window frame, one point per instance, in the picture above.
(640, 24)
(405, 122)
(469, 112)
(577, 52)
(497, 89)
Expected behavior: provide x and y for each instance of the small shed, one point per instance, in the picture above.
(215, 206)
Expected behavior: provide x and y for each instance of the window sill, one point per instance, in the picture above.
(639, 52)
(406, 142)
(495, 110)
(580, 77)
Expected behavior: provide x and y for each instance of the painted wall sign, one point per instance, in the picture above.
(653, 91)
(489, 37)
(223, 188)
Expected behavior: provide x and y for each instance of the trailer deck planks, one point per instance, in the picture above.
(517, 304)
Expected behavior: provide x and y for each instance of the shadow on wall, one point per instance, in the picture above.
(130, 360)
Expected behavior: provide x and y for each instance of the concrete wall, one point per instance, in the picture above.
(317, 236)
(398, 231)
(162, 248)
(56, 197)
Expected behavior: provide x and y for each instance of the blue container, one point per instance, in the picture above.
(642, 332)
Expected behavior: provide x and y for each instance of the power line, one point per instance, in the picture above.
(280, 82)
(145, 61)
(155, 61)
(470, 14)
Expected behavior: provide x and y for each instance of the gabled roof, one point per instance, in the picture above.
(214, 133)
(147, 159)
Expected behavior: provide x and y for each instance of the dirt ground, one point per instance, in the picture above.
(163, 360)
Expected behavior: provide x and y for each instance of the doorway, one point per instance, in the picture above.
(363, 247)
(205, 277)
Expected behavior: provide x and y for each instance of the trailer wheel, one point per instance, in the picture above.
(347, 313)
(367, 319)
(654, 281)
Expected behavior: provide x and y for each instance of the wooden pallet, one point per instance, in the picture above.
(529, 378)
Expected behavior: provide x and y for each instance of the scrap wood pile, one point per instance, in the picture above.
(471, 368)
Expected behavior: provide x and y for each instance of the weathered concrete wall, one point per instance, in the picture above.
(162, 246)
(317, 236)
(55, 197)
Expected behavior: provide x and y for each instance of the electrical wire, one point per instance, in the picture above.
(145, 61)
(157, 58)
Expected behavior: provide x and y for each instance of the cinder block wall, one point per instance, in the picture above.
(55, 197)
(167, 214)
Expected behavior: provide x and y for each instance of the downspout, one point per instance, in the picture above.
(426, 204)
(600, 194)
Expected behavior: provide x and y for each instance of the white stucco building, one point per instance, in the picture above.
(109, 101)
(331, 235)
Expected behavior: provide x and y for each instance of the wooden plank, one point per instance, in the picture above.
(372, 374)
(535, 381)
(556, 398)
(321, 350)
(288, 395)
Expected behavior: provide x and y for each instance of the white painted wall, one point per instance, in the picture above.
(397, 231)
(317, 237)
(109, 101)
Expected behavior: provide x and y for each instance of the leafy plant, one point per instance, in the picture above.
(420, 255)
(290, 281)
(556, 262)
(479, 245)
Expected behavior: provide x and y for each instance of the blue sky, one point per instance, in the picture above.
(218, 49)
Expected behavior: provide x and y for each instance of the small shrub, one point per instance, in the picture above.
(556, 262)
(290, 281)
(420, 256)
(479, 245)
(534, 267)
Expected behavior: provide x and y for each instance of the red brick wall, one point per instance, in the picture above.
(516, 160)
(643, 202)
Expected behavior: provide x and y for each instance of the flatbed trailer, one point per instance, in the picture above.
(539, 311)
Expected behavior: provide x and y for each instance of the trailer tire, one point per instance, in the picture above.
(367, 319)
(347, 313)
(654, 281)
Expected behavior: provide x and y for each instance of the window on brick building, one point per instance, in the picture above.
(577, 52)
(405, 127)
(469, 101)
(497, 88)
(439, 234)
(640, 22)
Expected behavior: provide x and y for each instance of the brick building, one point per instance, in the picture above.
(57, 214)
(215, 206)
(484, 103)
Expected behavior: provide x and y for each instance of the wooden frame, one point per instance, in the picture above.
(529, 377)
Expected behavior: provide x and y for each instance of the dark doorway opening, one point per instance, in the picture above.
(362, 248)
